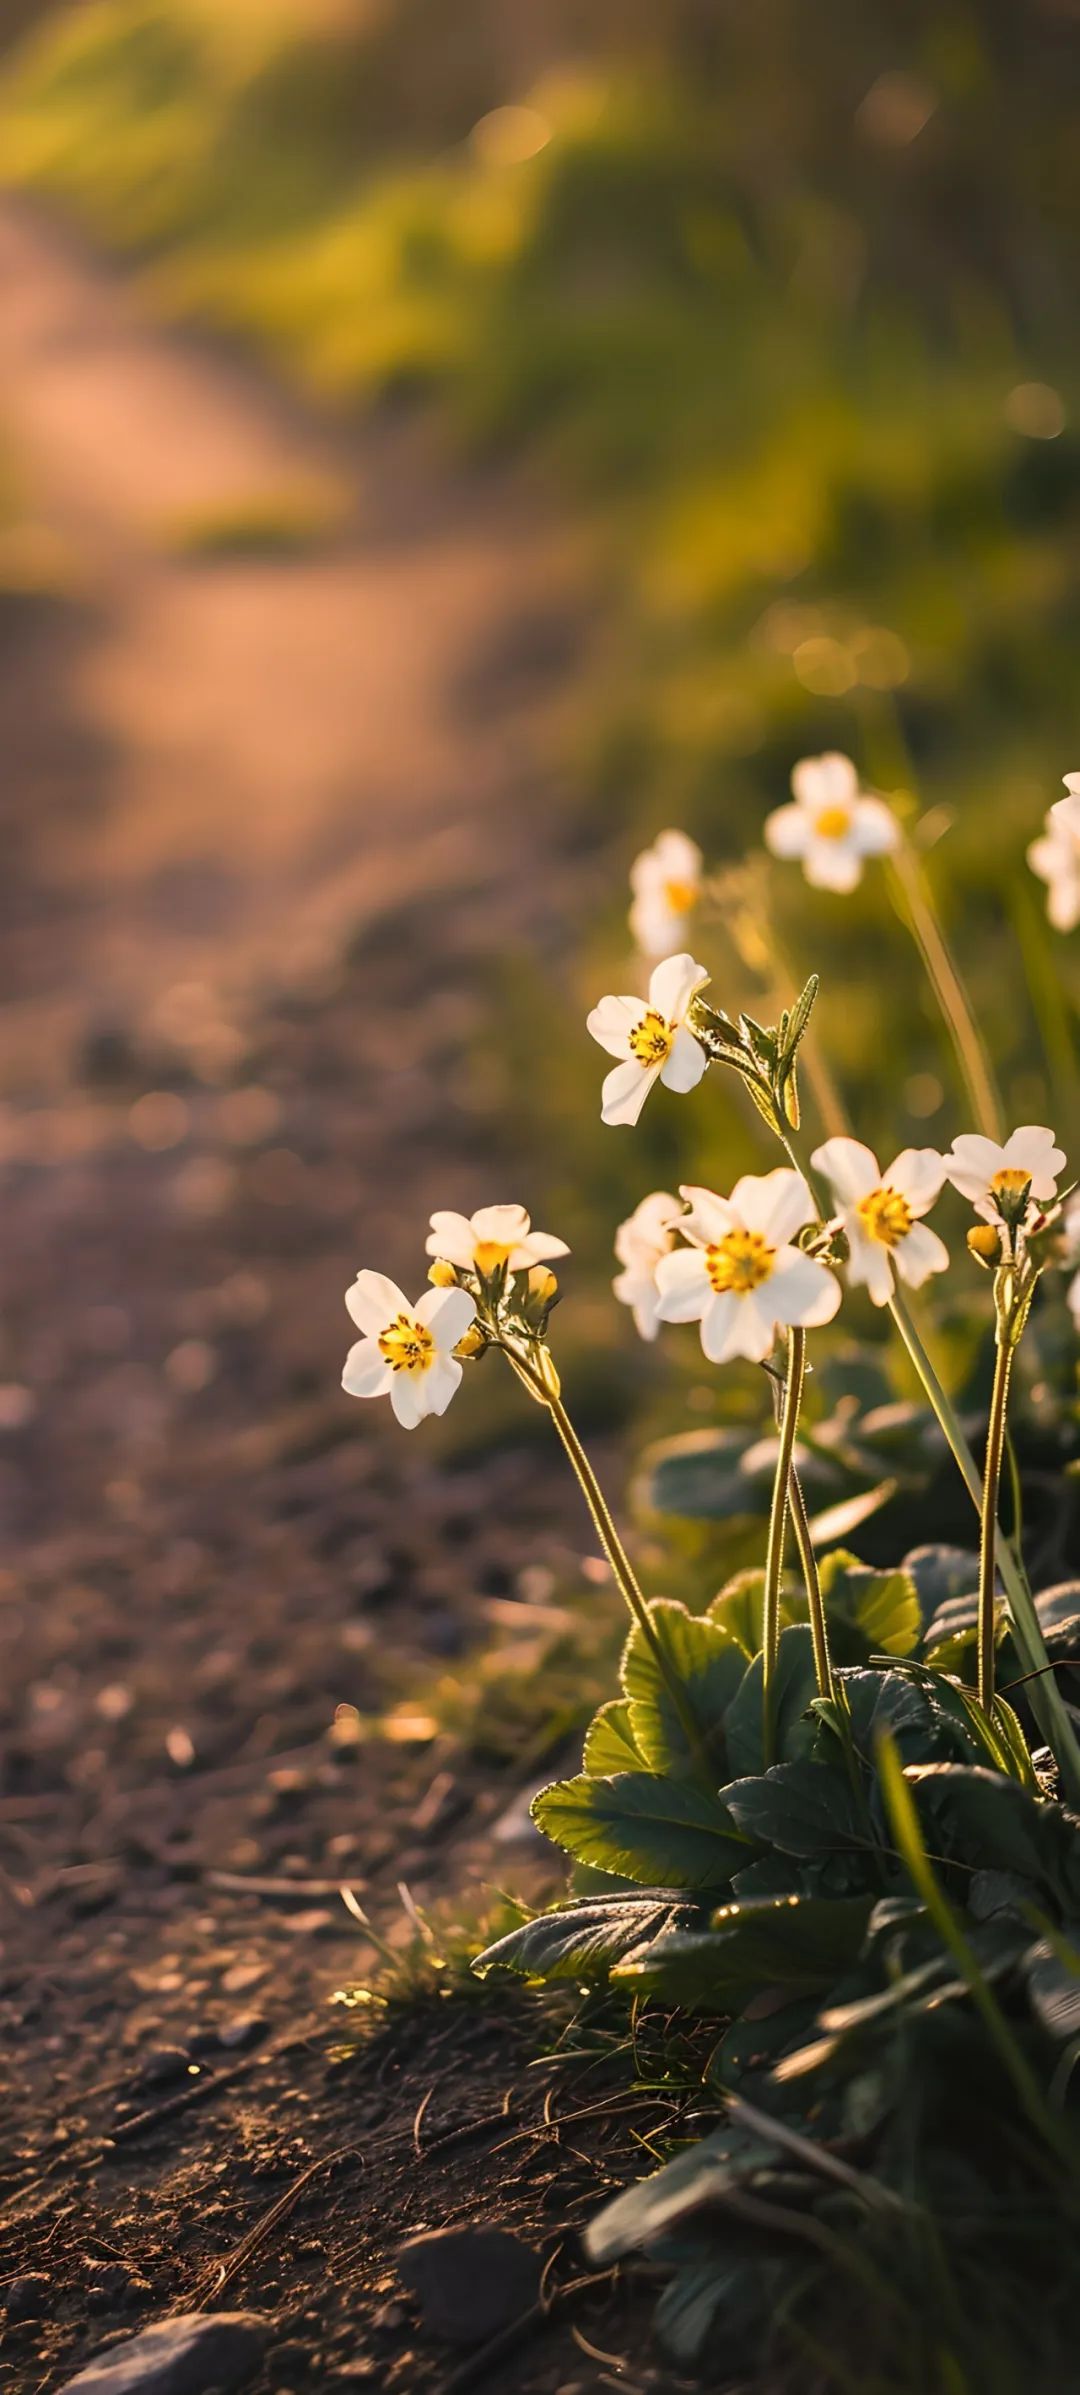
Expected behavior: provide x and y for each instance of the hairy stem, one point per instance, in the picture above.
(800, 1524)
(995, 1447)
(603, 1523)
(774, 1553)
(915, 905)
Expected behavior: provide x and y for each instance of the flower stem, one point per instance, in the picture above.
(774, 1552)
(800, 1523)
(546, 1393)
(1047, 1702)
(995, 1445)
(914, 903)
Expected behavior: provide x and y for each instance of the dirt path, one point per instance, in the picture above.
(267, 824)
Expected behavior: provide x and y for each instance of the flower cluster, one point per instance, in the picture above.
(739, 1276)
(413, 1354)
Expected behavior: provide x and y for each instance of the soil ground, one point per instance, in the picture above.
(266, 822)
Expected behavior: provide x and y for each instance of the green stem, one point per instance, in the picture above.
(995, 1446)
(774, 1552)
(1047, 1702)
(546, 1393)
(915, 905)
(800, 1523)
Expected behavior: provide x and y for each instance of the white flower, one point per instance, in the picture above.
(994, 1177)
(832, 824)
(407, 1351)
(647, 1234)
(880, 1213)
(497, 1235)
(740, 1277)
(1055, 857)
(666, 882)
(650, 1034)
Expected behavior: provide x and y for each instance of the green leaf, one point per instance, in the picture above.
(1053, 1985)
(699, 1477)
(728, 2159)
(657, 1832)
(609, 1742)
(708, 1664)
(798, 1943)
(878, 1611)
(794, 1689)
(804, 1808)
(972, 1815)
(737, 2294)
(940, 1574)
(585, 1941)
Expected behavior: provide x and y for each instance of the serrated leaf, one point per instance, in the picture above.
(609, 1742)
(708, 1665)
(880, 1608)
(656, 1832)
(940, 1574)
(794, 1688)
(585, 1941)
(970, 1814)
(797, 1943)
(803, 1808)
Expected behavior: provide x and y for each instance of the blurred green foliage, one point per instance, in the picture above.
(784, 302)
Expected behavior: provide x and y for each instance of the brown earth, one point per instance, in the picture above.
(269, 824)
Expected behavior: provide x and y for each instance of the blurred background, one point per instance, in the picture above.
(442, 446)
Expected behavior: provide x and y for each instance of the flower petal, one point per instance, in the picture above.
(1032, 1148)
(408, 1396)
(777, 1204)
(869, 1265)
(501, 1225)
(440, 1383)
(732, 1326)
(447, 1314)
(918, 1175)
(828, 781)
(972, 1162)
(646, 1233)
(683, 1283)
(710, 1216)
(639, 1291)
(800, 1290)
(673, 984)
(686, 1063)
(452, 1238)
(613, 1020)
(850, 1169)
(920, 1254)
(875, 831)
(541, 1249)
(787, 831)
(374, 1300)
(366, 1373)
(625, 1091)
(833, 865)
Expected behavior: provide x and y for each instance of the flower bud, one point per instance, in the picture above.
(472, 1343)
(985, 1244)
(443, 1275)
(542, 1285)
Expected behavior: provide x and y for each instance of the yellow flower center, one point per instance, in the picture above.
(652, 1039)
(680, 896)
(407, 1345)
(489, 1254)
(741, 1261)
(1010, 1182)
(885, 1216)
(833, 823)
